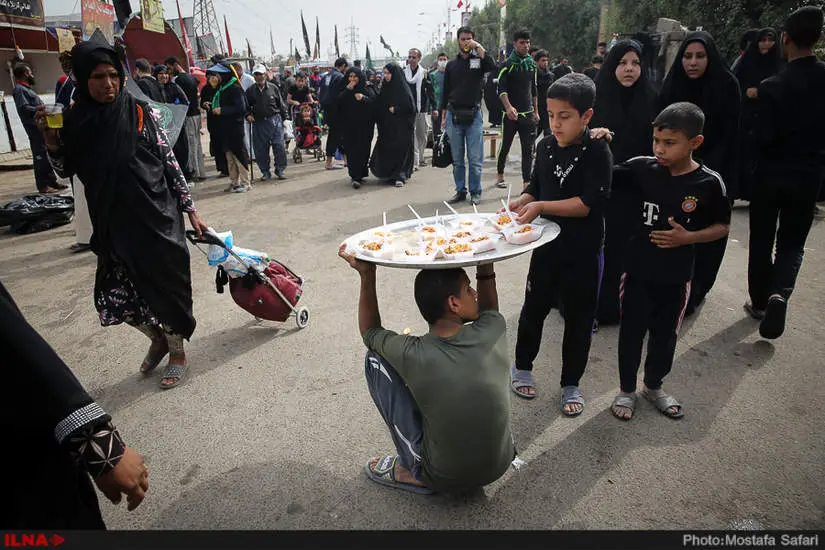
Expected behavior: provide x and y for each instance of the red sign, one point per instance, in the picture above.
(97, 15)
(26, 540)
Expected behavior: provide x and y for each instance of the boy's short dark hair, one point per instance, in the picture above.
(465, 30)
(341, 62)
(576, 89)
(600, 44)
(143, 65)
(172, 60)
(521, 34)
(432, 289)
(597, 59)
(682, 117)
(20, 70)
(804, 26)
(441, 54)
(541, 54)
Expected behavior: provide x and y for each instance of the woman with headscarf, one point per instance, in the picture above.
(136, 194)
(392, 157)
(761, 60)
(355, 105)
(229, 105)
(700, 76)
(216, 149)
(625, 105)
(172, 93)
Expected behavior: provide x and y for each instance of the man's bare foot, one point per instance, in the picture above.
(401, 474)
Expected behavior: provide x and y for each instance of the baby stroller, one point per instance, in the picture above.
(271, 293)
(308, 133)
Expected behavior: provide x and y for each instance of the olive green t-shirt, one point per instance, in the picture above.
(461, 386)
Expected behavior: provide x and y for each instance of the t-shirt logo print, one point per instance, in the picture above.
(689, 204)
(561, 174)
(650, 212)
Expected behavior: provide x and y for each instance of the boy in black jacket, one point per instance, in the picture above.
(681, 203)
(569, 185)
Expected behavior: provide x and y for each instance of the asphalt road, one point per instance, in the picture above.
(272, 426)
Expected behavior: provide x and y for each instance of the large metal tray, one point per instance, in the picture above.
(503, 250)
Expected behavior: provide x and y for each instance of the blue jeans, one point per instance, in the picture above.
(266, 132)
(471, 139)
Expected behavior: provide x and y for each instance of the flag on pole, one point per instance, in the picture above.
(297, 56)
(337, 49)
(306, 35)
(228, 41)
(186, 44)
(271, 43)
(317, 40)
(369, 57)
(248, 48)
(460, 3)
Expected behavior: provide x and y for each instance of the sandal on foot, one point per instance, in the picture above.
(151, 361)
(520, 379)
(384, 474)
(664, 404)
(628, 402)
(571, 394)
(175, 371)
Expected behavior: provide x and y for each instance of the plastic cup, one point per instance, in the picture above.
(54, 115)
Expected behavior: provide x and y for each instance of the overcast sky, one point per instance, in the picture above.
(403, 24)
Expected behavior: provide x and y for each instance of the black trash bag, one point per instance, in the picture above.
(442, 154)
(34, 213)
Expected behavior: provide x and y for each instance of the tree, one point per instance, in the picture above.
(567, 28)
(726, 20)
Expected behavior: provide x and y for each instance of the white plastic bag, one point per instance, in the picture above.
(289, 131)
(252, 258)
(216, 254)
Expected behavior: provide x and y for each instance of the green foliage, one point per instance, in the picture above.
(726, 20)
(567, 28)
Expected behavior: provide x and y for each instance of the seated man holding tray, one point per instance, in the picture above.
(444, 395)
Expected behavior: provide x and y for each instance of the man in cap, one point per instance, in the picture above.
(267, 113)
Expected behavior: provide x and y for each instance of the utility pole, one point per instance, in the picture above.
(205, 22)
(351, 35)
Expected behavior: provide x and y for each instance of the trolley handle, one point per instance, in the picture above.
(207, 237)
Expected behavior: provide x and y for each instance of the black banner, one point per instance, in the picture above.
(418, 540)
(22, 12)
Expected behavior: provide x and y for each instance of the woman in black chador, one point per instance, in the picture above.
(699, 75)
(392, 157)
(355, 106)
(625, 105)
(761, 60)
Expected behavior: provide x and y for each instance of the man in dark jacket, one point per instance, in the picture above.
(189, 84)
(147, 83)
(267, 112)
(27, 101)
(544, 78)
(333, 86)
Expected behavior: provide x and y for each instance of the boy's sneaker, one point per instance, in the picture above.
(773, 325)
(356, 184)
(238, 189)
(230, 188)
(475, 198)
(266, 176)
(501, 184)
(399, 183)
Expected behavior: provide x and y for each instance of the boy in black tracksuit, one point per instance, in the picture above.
(518, 93)
(681, 203)
(791, 111)
(569, 185)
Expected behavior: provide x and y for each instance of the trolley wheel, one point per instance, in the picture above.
(302, 317)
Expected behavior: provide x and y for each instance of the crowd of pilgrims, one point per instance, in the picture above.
(137, 191)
